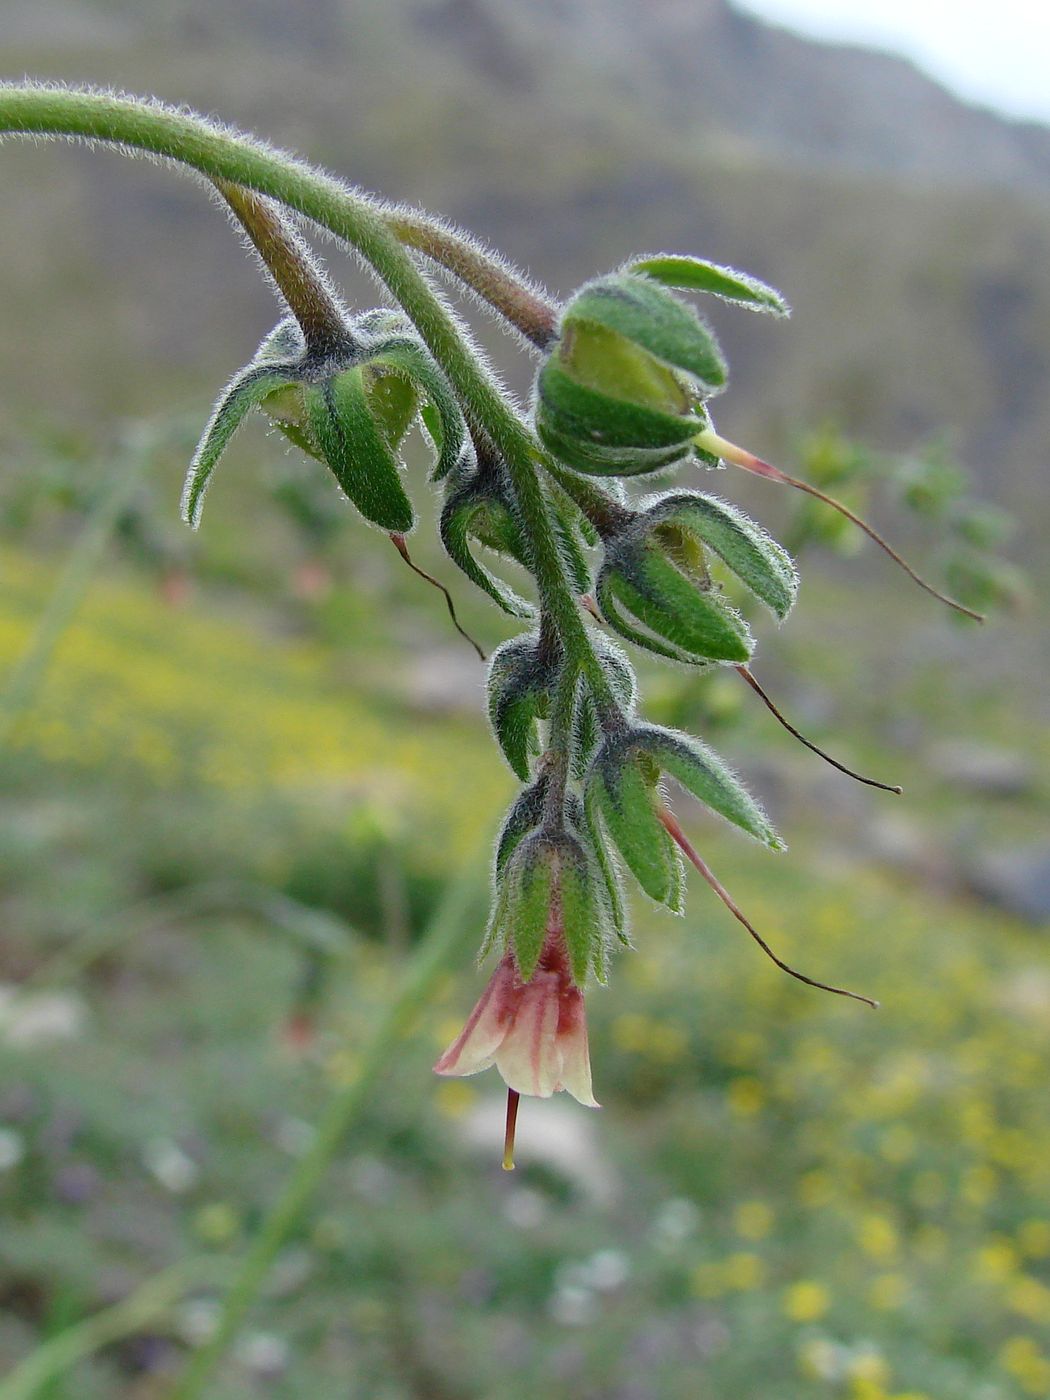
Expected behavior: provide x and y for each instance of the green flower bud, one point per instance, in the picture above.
(349, 407)
(479, 509)
(550, 890)
(623, 797)
(622, 391)
(519, 686)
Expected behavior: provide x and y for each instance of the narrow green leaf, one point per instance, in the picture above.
(245, 391)
(696, 275)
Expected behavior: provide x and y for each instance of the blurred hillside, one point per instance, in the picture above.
(906, 228)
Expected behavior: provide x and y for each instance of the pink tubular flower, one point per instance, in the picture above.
(534, 1032)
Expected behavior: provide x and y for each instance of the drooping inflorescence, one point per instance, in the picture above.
(623, 390)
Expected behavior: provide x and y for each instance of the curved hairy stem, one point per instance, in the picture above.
(224, 155)
(290, 263)
(528, 309)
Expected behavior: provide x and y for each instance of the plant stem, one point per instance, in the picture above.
(222, 155)
(446, 934)
(148, 1303)
(526, 307)
(291, 265)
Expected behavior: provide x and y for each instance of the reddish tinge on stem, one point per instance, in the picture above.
(670, 823)
(740, 457)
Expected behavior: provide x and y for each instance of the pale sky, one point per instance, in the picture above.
(995, 53)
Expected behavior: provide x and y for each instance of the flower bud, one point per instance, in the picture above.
(349, 407)
(550, 882)
(519, 684)
(655, 589)
(622, 794)
(479, 509)
(622, 391)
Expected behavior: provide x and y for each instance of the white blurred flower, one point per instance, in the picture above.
(33, 1020)
(170, 1165)
(12, 1149)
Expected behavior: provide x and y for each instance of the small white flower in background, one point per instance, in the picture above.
(607, 1270)
(525, 1209)
(12, 1149)
(33, 1020)
(572, 1305)
(675, 1221)
(262, 1353)
(196, 1320)
(171, 1166)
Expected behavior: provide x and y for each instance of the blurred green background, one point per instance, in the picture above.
(241, 769)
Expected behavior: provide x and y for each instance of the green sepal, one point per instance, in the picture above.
(762, 565)
(612, 886)
(245, 391)
(473, 510)
(392, 398)
(638, 584)
(587, 728)
(593, 459)
(445, 424)
(525, 815)
(652, 318)
(582, 912)
(567, 522)
(696, 275)
(529, 884)
(518, 695)
(339, 418)
(575, 410)
(703, 773)
(625, 801)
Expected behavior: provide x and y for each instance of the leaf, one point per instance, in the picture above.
(340, 419)
(654, 319)
(245, 391)
(696, 275)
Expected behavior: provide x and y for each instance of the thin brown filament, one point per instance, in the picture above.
(398, 541)
(513, 1098)
(740, 457)
(771, 707)
(680, 839)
